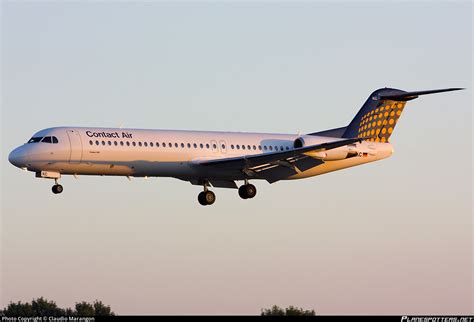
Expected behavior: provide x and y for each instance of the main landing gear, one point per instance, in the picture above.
(206, 198)
(57, 188)
(246, 191)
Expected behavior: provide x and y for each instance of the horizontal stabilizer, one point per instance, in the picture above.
(406, 96)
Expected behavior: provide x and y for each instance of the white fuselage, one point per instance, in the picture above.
(170, 153)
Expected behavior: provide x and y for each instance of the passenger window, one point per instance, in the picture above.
(47, 139)
(103, 142)
(115, 143)
(254, 147)
(128, 143)
(201, 145)
(232, 146)
(110, 143)
(207, 145)
(189, 145)
(243, 147)
(157, 144)
(176, 145)
(139, 143)
(90, 142)
(195, 145)
(238, 147)
(151, 144)
(223, 146)
(170, 145)
(145, 144)
(182, 145)
(55, 140)
(96, 142)
(281, 148)
(271, 148)
(214, 146)
(121, 143)
(287, 148)
(133, 143)
(260, 147)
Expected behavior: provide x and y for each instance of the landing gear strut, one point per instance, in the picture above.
(206, 197)
(57, 188)
(247, 191)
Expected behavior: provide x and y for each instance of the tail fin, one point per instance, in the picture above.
(379, 115)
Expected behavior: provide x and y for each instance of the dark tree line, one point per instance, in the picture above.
(43, 307)
(289, 311)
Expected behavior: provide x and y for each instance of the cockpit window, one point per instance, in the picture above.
(47, 139)
(35, 140)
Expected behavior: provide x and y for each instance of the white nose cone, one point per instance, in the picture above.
(18, 157)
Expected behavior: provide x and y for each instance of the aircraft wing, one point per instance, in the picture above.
(276, 165)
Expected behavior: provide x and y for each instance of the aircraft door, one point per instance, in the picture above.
(75, 143)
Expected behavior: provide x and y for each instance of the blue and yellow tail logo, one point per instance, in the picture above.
(378, 124)
(378, 116)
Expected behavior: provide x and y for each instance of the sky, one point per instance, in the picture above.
(390, 237)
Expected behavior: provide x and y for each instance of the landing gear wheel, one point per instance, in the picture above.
(210, 197)
(251, 191)
(247, 191)
(206, 198)
(242, 192)
(57, 188)
(202, 199)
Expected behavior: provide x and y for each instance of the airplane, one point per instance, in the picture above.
(216, 159)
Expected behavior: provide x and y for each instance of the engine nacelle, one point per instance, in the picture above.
(363, 149)
(331, 155)
(299, 143)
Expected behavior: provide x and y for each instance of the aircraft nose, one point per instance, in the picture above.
(18, 157)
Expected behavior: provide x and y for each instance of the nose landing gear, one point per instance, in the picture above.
(57, 188)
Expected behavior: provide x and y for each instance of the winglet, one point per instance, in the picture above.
(406, 96)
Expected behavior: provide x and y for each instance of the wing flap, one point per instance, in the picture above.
(307, 163)
(276, 173)
(223, 183)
